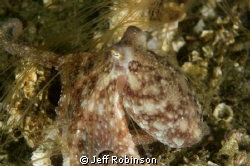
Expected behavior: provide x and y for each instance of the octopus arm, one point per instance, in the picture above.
(31, 54)
(99, 123)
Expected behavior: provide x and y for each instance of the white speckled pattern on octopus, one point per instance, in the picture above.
(96, 98)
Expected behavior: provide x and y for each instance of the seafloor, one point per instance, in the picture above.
(208, 39)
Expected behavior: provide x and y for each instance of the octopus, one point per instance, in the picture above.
(101, 92)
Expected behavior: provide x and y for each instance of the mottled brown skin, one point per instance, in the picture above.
(156, 94)
(96, 95)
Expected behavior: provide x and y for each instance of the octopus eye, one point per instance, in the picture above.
(116, 54)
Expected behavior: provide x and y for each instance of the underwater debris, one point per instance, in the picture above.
(232, 148)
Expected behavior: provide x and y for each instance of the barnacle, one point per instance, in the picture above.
(223, 112)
